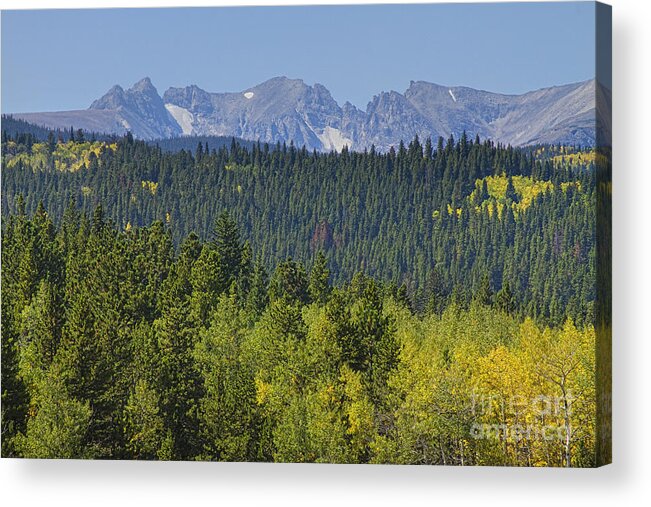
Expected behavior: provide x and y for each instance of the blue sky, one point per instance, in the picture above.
(64, 59)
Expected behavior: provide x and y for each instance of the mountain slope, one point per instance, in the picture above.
(139, 109)
(279, 109)
(289, 110)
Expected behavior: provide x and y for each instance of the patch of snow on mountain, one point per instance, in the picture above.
(249, 95)
(183, 117)
(333, 139)
(452, 95)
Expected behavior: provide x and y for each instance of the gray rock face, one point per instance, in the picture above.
(561, 114)
(390, 117)
(278, 110)
(139, 109)
(289, 110)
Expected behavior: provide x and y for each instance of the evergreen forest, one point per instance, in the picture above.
(434, 304)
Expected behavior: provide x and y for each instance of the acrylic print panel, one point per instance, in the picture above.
(337, 234)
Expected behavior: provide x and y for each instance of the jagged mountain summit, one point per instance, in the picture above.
(139, 109)
(279, 109)
(289, 110)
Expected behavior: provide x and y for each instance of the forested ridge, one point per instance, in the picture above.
(437, 219)
(430, 305)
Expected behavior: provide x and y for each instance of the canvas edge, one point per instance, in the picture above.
(603, 307)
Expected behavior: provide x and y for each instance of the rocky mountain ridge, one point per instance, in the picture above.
(289, 110)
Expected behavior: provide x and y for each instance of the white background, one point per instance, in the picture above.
(626, 482)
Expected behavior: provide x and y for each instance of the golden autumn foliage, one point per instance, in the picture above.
(476, 387)
(149, 186)
(526, 187)
(70, 156)
(577, 158)
(568, 155)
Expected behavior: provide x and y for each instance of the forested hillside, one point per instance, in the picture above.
(13, 127)
(444, 220)
(116, 346)
(190, 143)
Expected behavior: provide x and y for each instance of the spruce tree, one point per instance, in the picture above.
(227, 245)
(511, 194)
(319, 287)
(504, 298)
(484, 294)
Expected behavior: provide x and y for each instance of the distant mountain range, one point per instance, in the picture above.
(284, 110)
